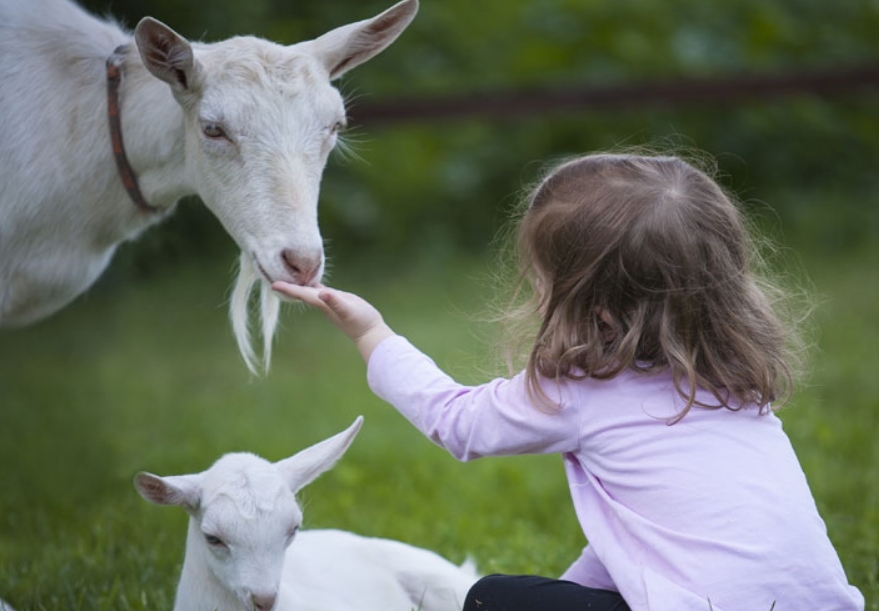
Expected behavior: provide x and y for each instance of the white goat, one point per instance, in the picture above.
(243, 519)
(245, 123)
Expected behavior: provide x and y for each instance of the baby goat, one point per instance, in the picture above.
(243, 519)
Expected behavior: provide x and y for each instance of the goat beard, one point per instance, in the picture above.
(240, 314)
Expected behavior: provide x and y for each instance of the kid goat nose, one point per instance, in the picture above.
(304, 269)
(263, 602)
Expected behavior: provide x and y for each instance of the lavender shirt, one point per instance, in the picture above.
(715, 507)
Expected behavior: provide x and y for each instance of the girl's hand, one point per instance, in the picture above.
(356, 317)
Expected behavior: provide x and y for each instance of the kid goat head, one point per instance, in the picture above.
(243, 516)
(259, 121)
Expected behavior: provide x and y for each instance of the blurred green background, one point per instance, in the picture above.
(448, 184)
(142, 372)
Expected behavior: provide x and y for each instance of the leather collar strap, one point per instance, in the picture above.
(126, 173)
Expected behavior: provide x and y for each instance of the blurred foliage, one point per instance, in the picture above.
(450, 185)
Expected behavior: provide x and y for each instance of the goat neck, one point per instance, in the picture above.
(153, 144)
(199, 589)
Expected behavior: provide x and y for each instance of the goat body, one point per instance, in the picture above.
(332, 569)
(244, 123)
(243, 552)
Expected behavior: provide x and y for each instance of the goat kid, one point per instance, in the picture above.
(245, 552)
(244, 123)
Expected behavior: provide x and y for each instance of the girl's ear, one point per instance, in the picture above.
(607, 325)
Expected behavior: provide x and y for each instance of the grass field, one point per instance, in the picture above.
(146, 377)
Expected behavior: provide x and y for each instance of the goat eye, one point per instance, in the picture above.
(213, 130)
(338, 126)
(292, 533)
(214, 541)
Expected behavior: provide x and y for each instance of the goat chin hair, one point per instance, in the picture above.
(240, 315)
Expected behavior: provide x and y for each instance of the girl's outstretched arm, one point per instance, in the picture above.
(356, 317)
(492, 419)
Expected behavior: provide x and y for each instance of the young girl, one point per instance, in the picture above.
(652, 372)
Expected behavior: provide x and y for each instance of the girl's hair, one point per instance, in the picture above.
(643, 262)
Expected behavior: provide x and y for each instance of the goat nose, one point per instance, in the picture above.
(304, 269)
(263, 602)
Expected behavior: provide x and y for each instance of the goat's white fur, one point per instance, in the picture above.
(63, 208)
(249, 504)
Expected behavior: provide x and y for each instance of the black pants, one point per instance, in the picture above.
(531, 593)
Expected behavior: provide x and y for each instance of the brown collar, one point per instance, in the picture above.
(129, 178)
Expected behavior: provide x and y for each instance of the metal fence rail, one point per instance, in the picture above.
(677, 92)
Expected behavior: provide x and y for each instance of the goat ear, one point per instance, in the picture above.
(351, 45)
(182, 490)
(166, 54)
(303, 468)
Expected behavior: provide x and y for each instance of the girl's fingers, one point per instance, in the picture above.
(350, 313)
(320, 297)
(332, 300)
(300, 293)
(338, 304)
(285, 288)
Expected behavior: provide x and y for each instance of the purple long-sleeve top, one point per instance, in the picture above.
(713, 508)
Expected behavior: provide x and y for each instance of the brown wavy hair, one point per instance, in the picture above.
(645, 263)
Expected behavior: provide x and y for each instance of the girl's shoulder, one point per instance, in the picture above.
(627, 381)
(629, 387)
(637, 393)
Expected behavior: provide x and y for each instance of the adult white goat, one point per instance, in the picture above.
(243, 519)
(245, 123)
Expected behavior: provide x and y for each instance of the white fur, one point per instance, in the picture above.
(250, 505)
(63, 208)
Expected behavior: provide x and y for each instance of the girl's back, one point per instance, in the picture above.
(714, 507)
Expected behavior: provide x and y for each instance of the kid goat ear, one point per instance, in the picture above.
(181, 490)
(304, 467)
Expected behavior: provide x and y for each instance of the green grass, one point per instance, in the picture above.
(145, 376)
